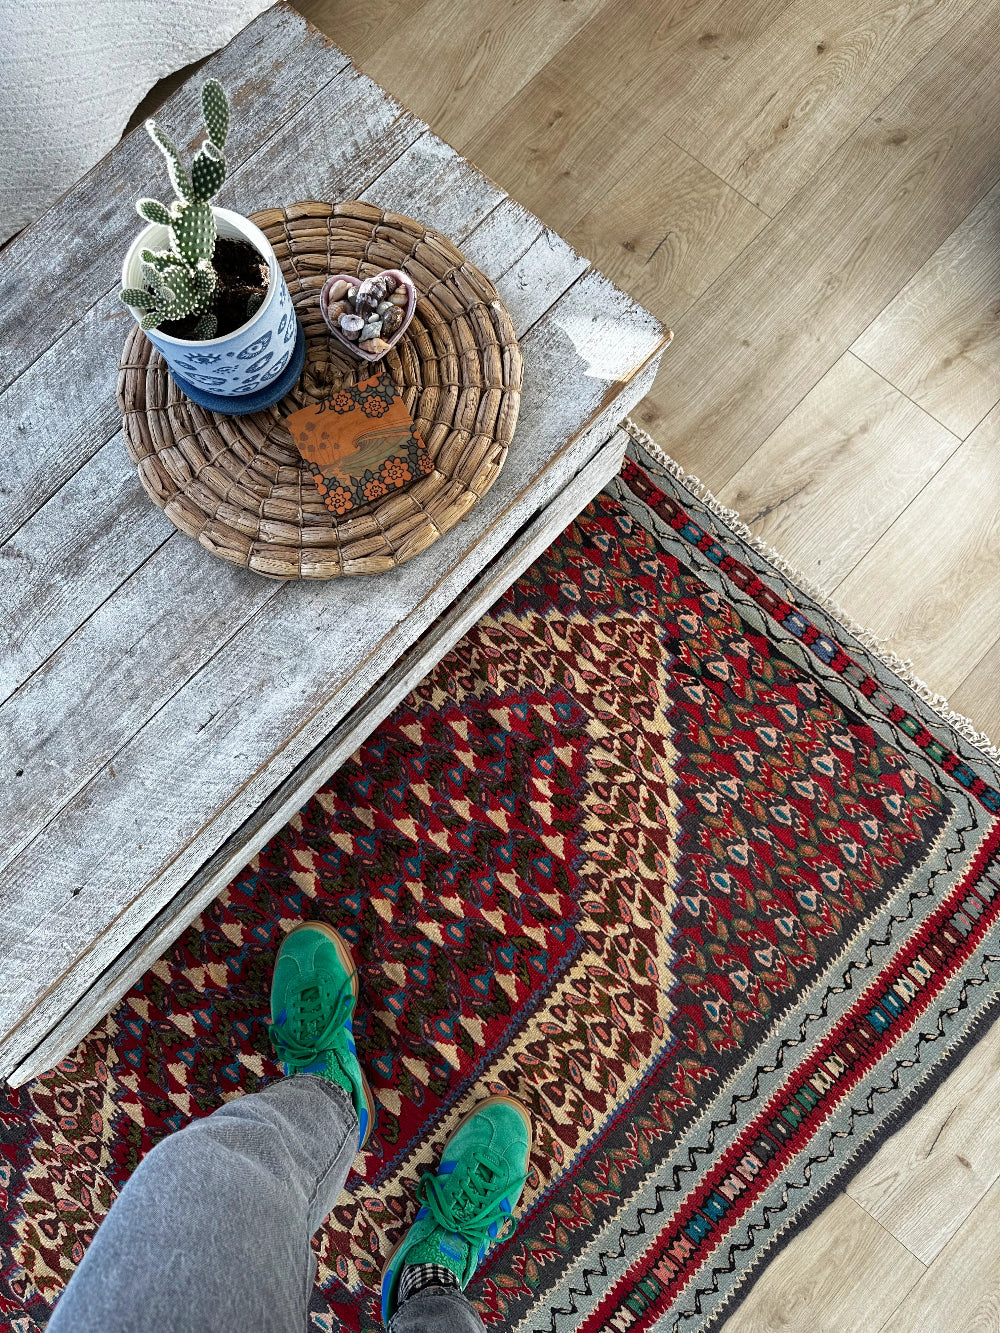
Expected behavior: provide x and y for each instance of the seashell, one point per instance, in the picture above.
(372, 314)
(339, 290)
(371, 291)
(391, 321)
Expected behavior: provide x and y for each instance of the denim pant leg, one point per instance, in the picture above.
(436, 1310)
(211, 1232)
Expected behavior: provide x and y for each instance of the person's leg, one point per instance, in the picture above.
(466, 1209)
(211, 1232)
(436, 1310)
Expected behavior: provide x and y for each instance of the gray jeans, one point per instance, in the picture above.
(211, 1232)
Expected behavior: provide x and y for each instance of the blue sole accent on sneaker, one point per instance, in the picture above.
(386, 1289)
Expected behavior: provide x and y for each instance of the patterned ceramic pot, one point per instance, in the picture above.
(240, 363)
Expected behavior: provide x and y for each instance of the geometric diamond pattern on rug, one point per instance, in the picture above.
(593, 859)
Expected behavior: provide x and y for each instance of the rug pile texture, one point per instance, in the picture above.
(662, 849)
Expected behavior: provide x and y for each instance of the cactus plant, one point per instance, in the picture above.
(181, 280)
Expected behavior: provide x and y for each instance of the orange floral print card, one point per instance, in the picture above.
(359, 444)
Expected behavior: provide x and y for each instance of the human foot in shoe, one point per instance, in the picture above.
(313, 993)
(467, 1206)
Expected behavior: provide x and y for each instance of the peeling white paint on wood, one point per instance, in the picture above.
(276, 66)
(185, 693)
(152, 942)
(352, 129)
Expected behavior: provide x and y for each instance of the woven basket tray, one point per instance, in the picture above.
(238, 485)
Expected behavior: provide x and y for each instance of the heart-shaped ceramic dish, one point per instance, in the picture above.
(401, 279)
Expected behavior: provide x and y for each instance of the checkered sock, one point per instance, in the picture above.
(415, 1277)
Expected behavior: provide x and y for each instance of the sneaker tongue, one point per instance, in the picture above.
(484, 1173)
(473, 1195)
(310, 1011)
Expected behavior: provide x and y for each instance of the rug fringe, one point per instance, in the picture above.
(877, 646)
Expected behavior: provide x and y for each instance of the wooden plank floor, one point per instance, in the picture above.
(808, 194)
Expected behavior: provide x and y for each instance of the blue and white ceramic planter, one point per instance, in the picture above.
(247, 369)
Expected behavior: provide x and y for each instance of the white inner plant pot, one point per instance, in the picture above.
(233, 225)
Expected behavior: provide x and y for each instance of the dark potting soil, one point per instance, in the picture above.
(242, 274)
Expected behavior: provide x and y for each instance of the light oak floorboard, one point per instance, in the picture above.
(931, 585)
(606, 100)
(815, 278)
(825, 486)
(560, 151)
(845, 1274)
(674, 229)
(978, 696)
(928, 1178)
(939, 340)
(456, 66)
(790, 97)
(960, 1292)
(357, 26)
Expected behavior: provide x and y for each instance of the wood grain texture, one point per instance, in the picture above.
(279, 66)
(939, 340)
(127, 660)
(960, 1292)
(436, 185)
(538, 276)
(268, 695)
(815, 277)
(844, 1274)
(927, 1179)
(40, 569)
(788, 97)
(759, 93)
(825, 486)
(931, 585)
(436, 54)
(673, 230)
(558, 151)
(356, 26)
(70, 557)
(978, 696)
(144, 949)
(607, 100)
(334, 149)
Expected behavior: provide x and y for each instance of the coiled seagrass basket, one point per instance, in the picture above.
(238, 485)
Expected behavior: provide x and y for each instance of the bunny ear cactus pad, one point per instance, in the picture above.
(182, 280)
(215, 109)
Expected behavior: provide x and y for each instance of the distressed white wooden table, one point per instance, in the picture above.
(162, 713)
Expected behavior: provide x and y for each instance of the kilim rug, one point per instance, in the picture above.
(662, 848)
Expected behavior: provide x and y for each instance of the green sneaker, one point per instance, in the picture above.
(466, 1208)
(313, 994)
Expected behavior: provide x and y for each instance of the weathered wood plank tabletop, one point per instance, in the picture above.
(163, 713)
